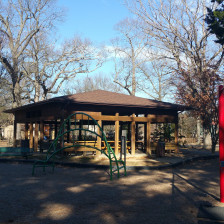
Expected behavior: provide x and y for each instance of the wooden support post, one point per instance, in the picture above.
(41, 130)
(148, 135)
(68, 134)
(145, 136)
(133, 136)
(56, 128)
(62, 130)
(41, 135)
(99, 142)
(14, 133)
(36, 137)
(31, 135)
(51, 132)
(26, 131)
(116, 135)
(176, 133)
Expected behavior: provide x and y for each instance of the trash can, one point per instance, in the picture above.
(160, 149)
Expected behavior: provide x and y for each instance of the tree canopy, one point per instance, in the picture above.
(215, 20)
(178, 32)
(35, 64)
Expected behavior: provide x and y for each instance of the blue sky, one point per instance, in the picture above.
(93, 19)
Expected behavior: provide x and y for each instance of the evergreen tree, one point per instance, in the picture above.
(215, 20)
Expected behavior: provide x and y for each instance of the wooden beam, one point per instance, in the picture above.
(31, 135)
(116, 134)
(154, 118)
(133, 135)
(36, 136)
(148, 135)
(49, 113)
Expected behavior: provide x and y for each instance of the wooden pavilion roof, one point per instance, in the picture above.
(105, 100)
(96, 101)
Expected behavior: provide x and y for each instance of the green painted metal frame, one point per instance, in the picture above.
(54, 149)
(15, 151)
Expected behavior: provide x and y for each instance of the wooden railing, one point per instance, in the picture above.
(81, 146)
(169, 147)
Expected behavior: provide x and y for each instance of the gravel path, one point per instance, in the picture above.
(74, 195)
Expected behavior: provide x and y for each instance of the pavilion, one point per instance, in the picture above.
(105, 107)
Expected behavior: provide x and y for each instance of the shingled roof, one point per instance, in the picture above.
(106, 98)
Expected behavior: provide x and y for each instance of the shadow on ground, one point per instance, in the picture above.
(74, 195)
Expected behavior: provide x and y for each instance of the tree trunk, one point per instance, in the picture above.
(133, 78)
(214, 136)
(206, 139)
(213, 146)
(198, 132)
(16, 94)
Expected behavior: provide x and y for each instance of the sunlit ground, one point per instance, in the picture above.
(73, 195)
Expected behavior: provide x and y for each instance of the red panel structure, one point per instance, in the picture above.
(221, 141)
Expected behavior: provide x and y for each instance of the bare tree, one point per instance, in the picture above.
(20, 21)
(129, 51)
(178, 30)
(155, 81)
(5, 96)
(90, 83)
(50, 66)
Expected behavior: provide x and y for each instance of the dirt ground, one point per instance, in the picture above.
(75, 195)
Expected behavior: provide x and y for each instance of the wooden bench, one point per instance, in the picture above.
(4, 143)
(112, 145)
(15, 151)
(81, 146)
(169, 147)
(87, 146)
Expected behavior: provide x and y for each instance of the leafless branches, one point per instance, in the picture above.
(178, 31)
(20, 21)
(36, 64)
(129, 51)
(50, 66)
